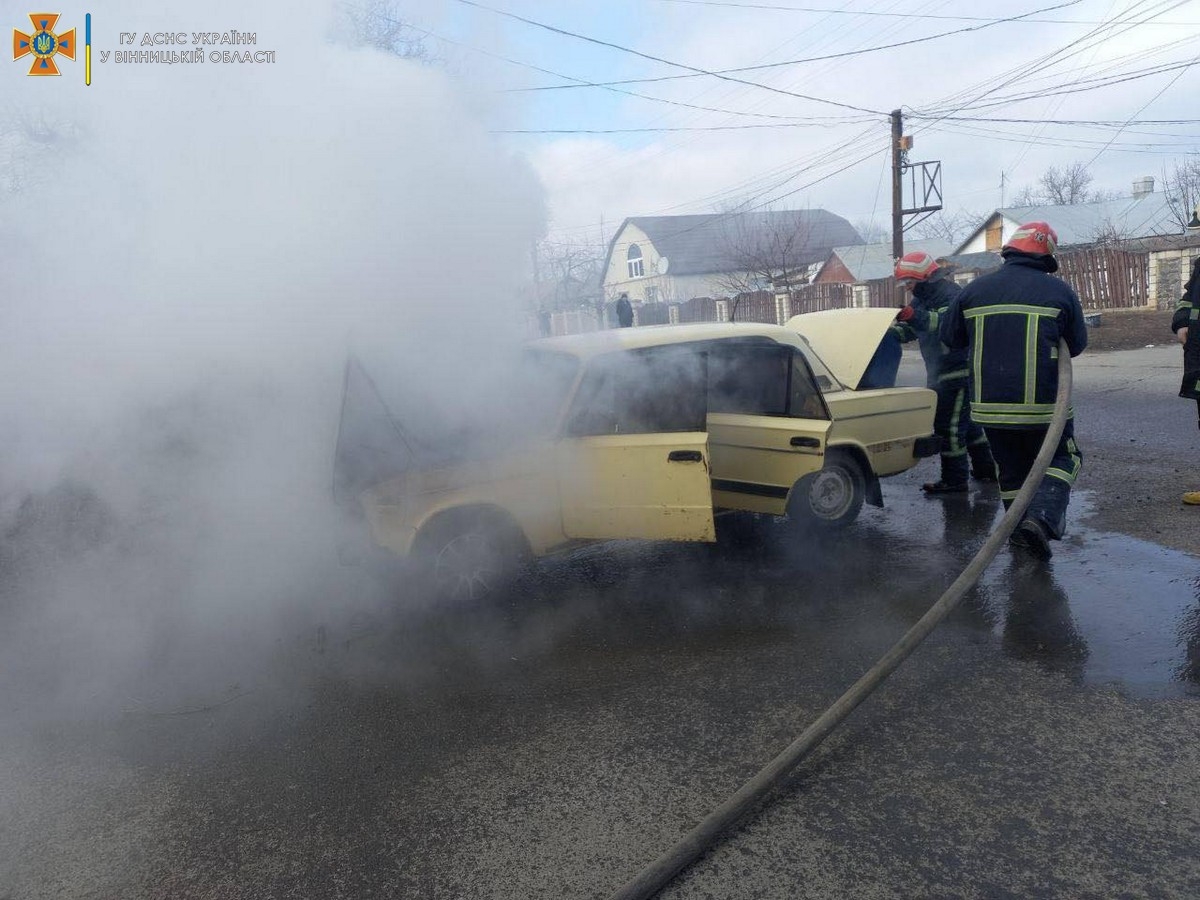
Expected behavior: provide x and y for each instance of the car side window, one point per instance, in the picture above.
(804, 396)
(656, 390)
(749, 379)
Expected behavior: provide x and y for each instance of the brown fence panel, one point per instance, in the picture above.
(698, 309)
(653, 314)
(816, 297)
(758, 306)
(1107, 277)
(882, 292)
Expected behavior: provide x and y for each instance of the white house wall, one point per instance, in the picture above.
(616, 278)
(670, 288)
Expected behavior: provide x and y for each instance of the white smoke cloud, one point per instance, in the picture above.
(191, 253)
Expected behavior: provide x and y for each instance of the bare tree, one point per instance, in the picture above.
(872, 232)
(1061, 187)
(379, 24)
(1182, 186)
(763, 251)
(1028, 196)
(1108, 234)
(568, 275)
(33, 144)
(951, 227)
(1067, 185)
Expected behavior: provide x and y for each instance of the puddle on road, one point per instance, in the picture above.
(1108, 609)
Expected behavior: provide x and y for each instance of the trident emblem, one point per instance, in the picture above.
(44, 44)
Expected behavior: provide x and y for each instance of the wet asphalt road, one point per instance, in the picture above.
(1041, 744)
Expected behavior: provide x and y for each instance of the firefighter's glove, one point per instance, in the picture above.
(905, 314)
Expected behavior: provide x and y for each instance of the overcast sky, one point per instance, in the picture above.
(974, 73)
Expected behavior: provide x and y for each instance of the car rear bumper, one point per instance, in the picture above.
(927, 446)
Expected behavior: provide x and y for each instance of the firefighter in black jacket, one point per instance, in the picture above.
(946, 373)
(1011, 321)
(1186, 325)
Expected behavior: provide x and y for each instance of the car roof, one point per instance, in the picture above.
(594, 343)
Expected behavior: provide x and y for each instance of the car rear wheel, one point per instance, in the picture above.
(470, 557)
(831, 497)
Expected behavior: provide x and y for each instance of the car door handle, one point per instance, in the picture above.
(685, 456)
(806, 442)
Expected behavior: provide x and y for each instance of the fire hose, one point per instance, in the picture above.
(692, 845)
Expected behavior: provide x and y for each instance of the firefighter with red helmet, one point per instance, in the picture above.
(1010, 322)
(947, 373)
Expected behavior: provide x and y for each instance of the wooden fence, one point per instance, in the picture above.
(816, 297)
(653, 314)
(698, 309)
(1107, 278)
(1104, 278)
(758, 306)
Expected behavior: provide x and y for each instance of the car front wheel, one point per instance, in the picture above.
(831, 497)
(470, 558)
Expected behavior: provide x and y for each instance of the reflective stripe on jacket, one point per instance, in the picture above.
(930, 300)
(1010, 321)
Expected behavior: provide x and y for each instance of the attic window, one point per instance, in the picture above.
(633, 260)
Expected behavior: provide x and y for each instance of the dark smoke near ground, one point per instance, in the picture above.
(190, 256)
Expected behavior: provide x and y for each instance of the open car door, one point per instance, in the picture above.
(371, 447)
(633, 461)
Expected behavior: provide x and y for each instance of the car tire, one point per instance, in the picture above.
(469, 557)
(831, 497)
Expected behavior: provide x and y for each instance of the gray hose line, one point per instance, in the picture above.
(688, 849)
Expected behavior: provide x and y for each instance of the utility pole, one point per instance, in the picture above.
(897, 184)
(925, 185)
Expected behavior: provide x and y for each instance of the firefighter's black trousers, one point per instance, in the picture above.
(1015, 450)
(961, 438)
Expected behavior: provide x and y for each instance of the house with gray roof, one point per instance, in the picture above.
(870, 262)
(669, 259)
(1144, 213)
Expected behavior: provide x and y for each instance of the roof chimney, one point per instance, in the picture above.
(1143, 186)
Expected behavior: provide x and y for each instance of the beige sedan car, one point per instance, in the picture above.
(647, 433)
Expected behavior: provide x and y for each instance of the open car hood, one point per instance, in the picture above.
(844, 339)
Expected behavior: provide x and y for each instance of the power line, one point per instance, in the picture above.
(795, 62)
(897, 15)
(1164, 89)
(693, 69)
(1095, 123)
(582, 82)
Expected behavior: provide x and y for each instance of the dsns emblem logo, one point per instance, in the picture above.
(44, 44)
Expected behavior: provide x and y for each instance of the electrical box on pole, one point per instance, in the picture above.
(922, 179)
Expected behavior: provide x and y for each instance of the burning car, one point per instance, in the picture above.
(644, 433)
